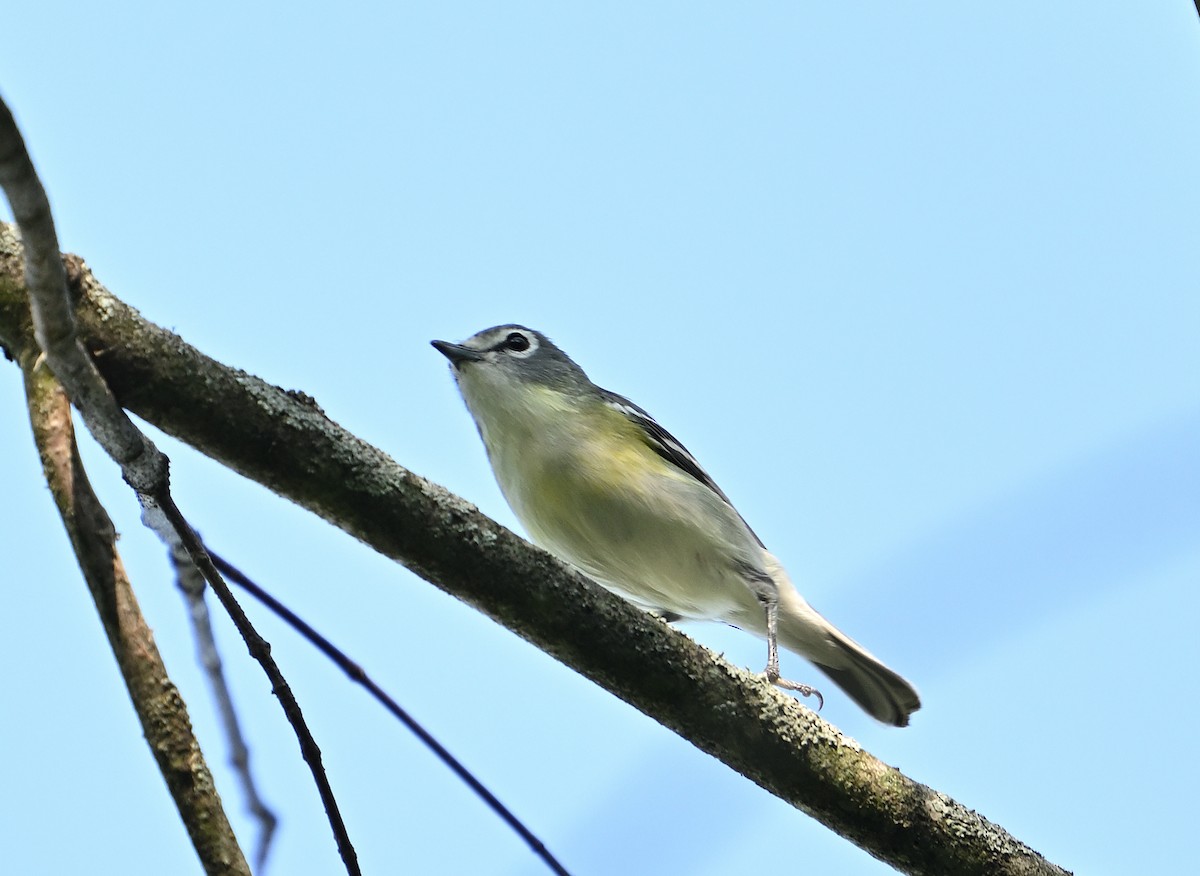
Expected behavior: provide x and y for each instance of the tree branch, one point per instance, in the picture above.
(284, 441)
(143, 466)
(159, 707)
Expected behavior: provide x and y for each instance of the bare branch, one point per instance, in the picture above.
(285, 442)
(159, 707)
(143, 466)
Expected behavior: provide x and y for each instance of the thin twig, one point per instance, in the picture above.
(143, 466)
(359, 675)
(162, 515)
(191, 583)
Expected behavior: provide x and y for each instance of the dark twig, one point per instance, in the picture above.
(143, 466)
(358, 674)
(191, 583)
(163, 516)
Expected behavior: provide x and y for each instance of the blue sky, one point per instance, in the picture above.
(918, 286)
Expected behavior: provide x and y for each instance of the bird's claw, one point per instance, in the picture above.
(803, 689)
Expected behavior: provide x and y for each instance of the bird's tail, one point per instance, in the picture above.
(880, 691)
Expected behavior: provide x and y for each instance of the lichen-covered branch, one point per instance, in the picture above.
(159, 707)
(284, 441)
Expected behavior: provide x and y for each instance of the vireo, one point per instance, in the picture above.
(597, 482)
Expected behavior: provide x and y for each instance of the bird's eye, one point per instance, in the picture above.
(516, 342)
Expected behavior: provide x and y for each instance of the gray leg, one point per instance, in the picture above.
(772, 671)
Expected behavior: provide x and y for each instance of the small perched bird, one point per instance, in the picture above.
(597, 482)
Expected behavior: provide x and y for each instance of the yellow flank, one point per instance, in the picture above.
(617, 455)
(600, 457)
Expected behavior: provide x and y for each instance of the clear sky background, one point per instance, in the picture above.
(917, 283)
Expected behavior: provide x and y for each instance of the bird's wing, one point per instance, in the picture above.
(668, 447)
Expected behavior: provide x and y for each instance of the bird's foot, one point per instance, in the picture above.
(772, 674)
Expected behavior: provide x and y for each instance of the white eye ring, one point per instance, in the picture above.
(516, 342)
(518, 345)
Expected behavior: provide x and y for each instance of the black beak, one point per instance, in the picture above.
(456, 353)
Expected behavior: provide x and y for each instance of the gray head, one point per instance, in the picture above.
(513, 352)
